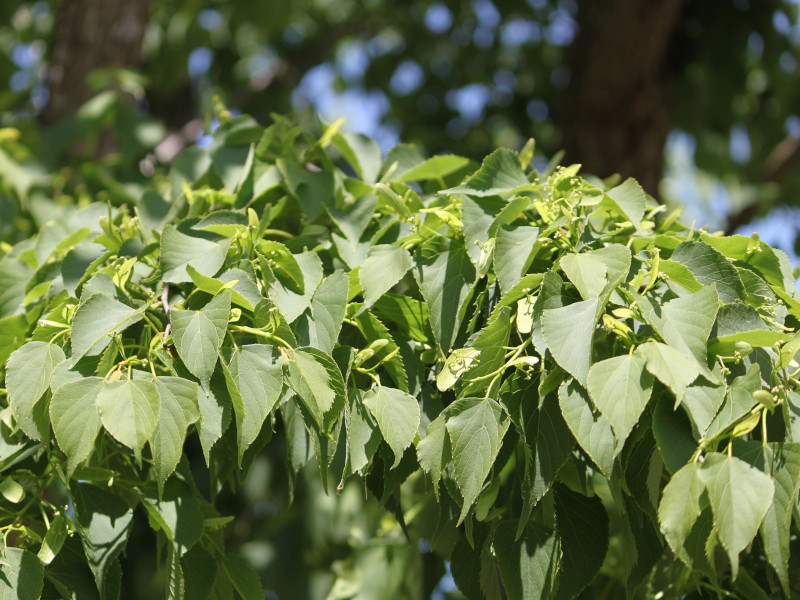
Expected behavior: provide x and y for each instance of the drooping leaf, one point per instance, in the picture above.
(568, 332)
(593, 432)
(684, 323)
(512, 251)
(318, 383)
(75, 419)
(363, 435)
(129, 411)
(104, 522)
(740, 496)
(528, 565)
(97, 319)
(582, 526)
(620, 388)
(476, 427)
(445, 276)
(198, 334)
(243, 577)
(176, 511)
(320, 326)
(397, 414)
(28, 374)
(680, 505)
(782, 462)
(547, 440)
(587, 273)
(673, 368)
(433, 452)
(22, 575)
(178, 408)
(256, 373)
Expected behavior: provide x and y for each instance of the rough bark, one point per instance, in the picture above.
(91, 34)
(618, 105)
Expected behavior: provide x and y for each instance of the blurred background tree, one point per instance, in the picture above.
(697, 100)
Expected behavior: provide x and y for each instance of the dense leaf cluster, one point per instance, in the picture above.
(551, 388)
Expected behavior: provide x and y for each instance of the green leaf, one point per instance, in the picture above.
(363, 435)
(491, 342)
(435, 167)
(198, 334)
(673, 432)
(568, 332)
(546, 436)
(738, 402)
(445, 276)
(586, 272)
(702, 401)
(679, 274)
(313, 190)
(243, 577)
(199, 571)
(104, 523)
(593, 432)
(528, 565)
(476, 427)
(620, 388)
(397, 414)
(500, 172)
(14, 277)
(176, 511)
(129, 411)
(75, 419)
(740, 496)
(673, 368)
(684, 323)
(23, 575)
(54, 539)
(680, 505)
(28, 374)
(384, 266)
(179, 250)
(11, 490)
(478, 217)
(178, 409)
(512, 253)
(318, 383)
(582, 526)
(321, 327)
(361, 152)
(290, 302)
(256, 372)
(782, 462)
(214, 286)
(629, 199)
(709, 267)
(433, 452)
(96, 321)
(215, 405)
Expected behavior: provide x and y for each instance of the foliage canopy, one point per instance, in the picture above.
(549, 387)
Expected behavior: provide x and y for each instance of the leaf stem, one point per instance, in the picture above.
(262, 334)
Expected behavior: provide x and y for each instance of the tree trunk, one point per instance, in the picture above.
(91, 34)
(618, 105)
